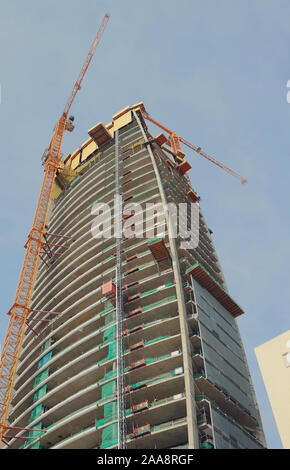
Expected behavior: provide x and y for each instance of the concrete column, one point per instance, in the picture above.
(193, 437)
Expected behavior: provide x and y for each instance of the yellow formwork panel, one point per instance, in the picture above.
(88, 162)
(56, 191)
(110, 129)
(121, 113)
(65, 176)
(88, 148)
(122, 120)
(75, 161)
(67, 160)
(74, 154)
(139, 107)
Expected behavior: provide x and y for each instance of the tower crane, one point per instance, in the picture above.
(21, 309)
(175, 143)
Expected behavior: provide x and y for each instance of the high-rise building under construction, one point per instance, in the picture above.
(131, 340)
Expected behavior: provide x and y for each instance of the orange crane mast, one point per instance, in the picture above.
(175, 142)
(20, 310)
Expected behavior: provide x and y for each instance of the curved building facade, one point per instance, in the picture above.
(139, 329)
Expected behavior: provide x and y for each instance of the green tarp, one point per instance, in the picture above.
(112, 350)
(40, 393)
(110, 436)
(110, 411)
(36, 412)
(109, 389)
(40, 377)
(45, 359)
(110, 317)
(47, 344)
(109, 334)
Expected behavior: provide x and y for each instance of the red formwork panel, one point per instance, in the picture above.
(193, 196)
(161, 139)
(141, 430)
(138, 364)
(109, 291)
(158, 249)
(144, 405)
(137, 310)
(183, 167)
(138, 345)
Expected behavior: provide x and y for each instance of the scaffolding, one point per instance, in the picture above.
(119, 305)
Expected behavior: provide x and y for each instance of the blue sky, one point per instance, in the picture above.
(216, 73)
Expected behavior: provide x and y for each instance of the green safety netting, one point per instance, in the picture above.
(150, 360)
(36, 412)
(36, 445)
(206, 445)
(105, 311)
(110, 414)
(107, 324)
(34, 434)
(44, 359)
(110, 317)
(112, 350)
(110, 411)
(152, 240)
(42, 391)
(154, 340)
(40, 377)
(46, 344)
(109, 334)
(109, 388)
(109, 436)
(148, 292)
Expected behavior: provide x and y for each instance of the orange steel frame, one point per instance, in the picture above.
(20, 309)
(176, 140)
